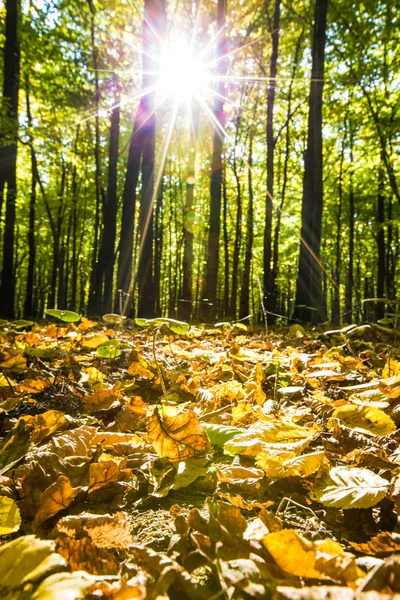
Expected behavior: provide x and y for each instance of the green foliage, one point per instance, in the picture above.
(67, 316)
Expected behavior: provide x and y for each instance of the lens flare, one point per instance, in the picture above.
(183, 76)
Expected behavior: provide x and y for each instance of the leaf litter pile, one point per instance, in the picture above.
(157, 461)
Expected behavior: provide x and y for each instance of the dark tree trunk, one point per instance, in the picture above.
(238, 228)
(28, 306)
(268, 291)
(244, 309)
(338, 262)
(110, 208)
(186, 305)
(95, 293)
(279, 211)
(141, 156)
(8, 150)
(380, 240)
(350, 272)
(209, 307)
(309, 302)
(226, 243)
(158, 247)
(74, 193)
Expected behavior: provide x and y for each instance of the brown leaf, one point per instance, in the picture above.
(177, 435)
(383, 544)
(84, 555)
(32, 386)
(102, 400)
(105, 472)
(56, 497)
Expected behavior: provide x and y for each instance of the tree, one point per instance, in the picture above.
(309, 301)
(209, 294)
(8, 150)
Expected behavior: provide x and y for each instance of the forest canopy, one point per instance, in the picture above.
(201, 160)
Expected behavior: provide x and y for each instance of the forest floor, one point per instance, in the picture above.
(211, 463)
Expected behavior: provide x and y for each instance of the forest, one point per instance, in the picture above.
(199, 275)
(201, 160)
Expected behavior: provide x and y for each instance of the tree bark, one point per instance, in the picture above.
(309, 302)
(209, 295)
(8, 150)
(268, 289)
(245, 291)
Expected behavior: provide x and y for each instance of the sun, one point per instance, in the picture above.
(183, 76)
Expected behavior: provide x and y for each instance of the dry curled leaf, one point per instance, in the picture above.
(177, 435)
(56, 497)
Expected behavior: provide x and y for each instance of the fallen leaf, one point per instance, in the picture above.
(345, 488)
(177, 435)
(10, 517)
(366, 419)
(56, 497)
(323, 559)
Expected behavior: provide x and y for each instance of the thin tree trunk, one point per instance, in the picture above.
(380, 240)
(245, 291)
(209, 307)
(238, 227)
(268, 291)
(110, 209)
(28, 306)
(338, 261)
(8, 150)
(226, 243)
(309, 302)
(186, 305)
(74, 192)
(350, 271)
(279, 212)
(95, 293)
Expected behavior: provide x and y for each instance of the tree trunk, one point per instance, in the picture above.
(186, 305)
(28, 306)
(350, 271)
(95, 293)
(110, 209)
(244, 309)
(309, 302)
(380, 241)
(268, 291)
(279, 211)
(338, 261)
(8, 150)
(209, 306)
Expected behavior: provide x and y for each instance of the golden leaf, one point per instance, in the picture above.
(56, 497)
(177, 435)
(281, 465)
(10, 517)
(323, 559)
(366, 419)
(95, 341)
(102, 400)
(32, 386)
(105, 472)
(138, 370)
(14, 360)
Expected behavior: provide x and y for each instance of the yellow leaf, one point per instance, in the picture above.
(26, 559)
(14, 360)
(316, 560)
(64, 586)
(366, 419)
(95, 341)
(138, 370)
(281, 465)
(91, 375)
(102, 400)
(177, 435)
(10, 517)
